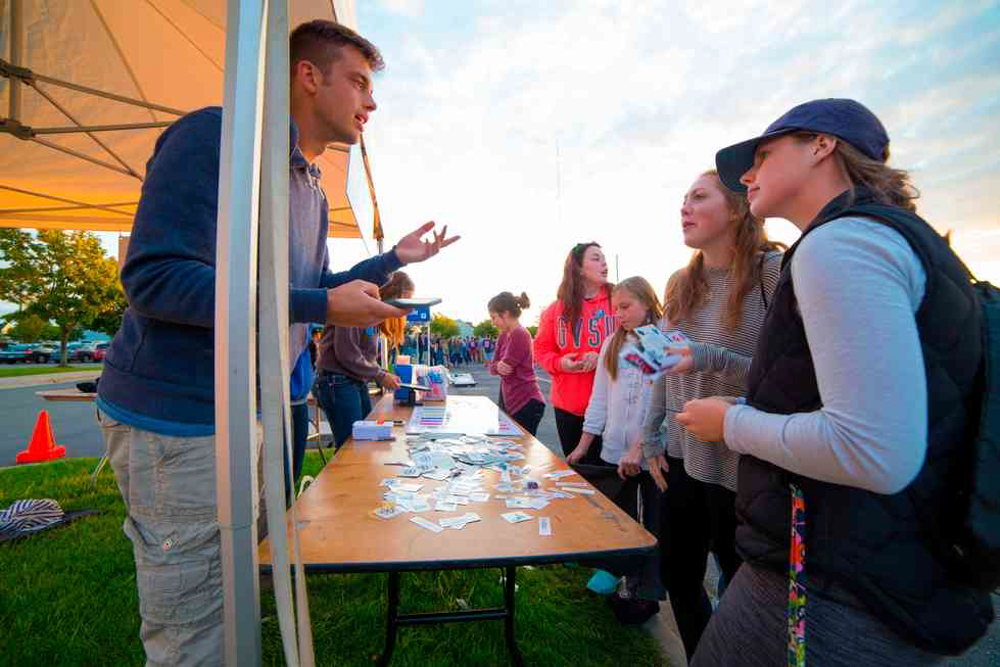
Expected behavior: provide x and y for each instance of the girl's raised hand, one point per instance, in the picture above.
(685, 364)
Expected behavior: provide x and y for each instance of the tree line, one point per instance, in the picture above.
(62, 283)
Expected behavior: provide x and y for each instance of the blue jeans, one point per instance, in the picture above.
(344, 400)
(300, 438)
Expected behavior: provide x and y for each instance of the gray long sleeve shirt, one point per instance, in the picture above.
(858, 285)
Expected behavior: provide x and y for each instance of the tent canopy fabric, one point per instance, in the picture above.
(123, 71)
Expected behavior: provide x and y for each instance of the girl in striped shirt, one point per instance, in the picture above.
(718, 301)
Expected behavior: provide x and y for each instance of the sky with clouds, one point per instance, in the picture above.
(530, 126)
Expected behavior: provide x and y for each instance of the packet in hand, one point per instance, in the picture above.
(649, 354)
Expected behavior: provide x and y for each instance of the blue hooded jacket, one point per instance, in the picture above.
(159, 370)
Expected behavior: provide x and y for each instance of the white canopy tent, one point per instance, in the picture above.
(87, 87)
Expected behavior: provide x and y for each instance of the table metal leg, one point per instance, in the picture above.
(508, 622)
(391, 620)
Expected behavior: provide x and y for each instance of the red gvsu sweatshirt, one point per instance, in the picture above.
(555, 339)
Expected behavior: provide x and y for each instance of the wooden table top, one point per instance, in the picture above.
(338, 532)
(71, 395)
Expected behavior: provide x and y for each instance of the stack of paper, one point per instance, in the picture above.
(369, 430)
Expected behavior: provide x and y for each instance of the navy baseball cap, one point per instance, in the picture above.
(845, 119)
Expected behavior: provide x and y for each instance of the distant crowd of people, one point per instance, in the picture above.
(449, 351)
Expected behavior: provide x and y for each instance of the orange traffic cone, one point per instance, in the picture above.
(43, 446)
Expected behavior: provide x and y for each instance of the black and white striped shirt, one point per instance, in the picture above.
(721, 363)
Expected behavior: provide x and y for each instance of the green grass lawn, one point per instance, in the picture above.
(13, 371)
(68, 597)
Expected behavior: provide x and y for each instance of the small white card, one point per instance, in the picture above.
(407, 488)
(419, 504)
(577, 489)
(544, 526)
(424, 523)
(538, 503)
(516, 517)
(559, 474)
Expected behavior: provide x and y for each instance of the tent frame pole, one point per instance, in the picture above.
(24, 75)
(16, 34)
(235, 329)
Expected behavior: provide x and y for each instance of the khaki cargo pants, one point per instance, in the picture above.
(168, 485)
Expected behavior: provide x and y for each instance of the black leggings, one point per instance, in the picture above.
(570, 429)
(530, 415)
(697, 518)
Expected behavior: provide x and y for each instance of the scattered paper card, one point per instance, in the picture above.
(459, 522)
(559, 474)
(577, 489)
(516, 517)
(419, 504)
(544, 526)
(424, 523)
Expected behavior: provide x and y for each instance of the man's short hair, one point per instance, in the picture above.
(320, 41)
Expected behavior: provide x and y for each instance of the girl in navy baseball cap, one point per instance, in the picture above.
(862, 404)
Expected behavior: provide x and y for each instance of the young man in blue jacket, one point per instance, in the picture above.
(156, 395)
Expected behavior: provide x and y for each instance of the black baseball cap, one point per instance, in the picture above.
(845, 119)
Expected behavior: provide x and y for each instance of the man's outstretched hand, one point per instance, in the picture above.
(357, 304)
(412, 248)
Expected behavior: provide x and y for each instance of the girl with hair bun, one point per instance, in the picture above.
(514, 362)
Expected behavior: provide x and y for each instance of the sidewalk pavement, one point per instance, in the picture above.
(23, 381)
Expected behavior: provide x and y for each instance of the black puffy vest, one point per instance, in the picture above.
(889, 551)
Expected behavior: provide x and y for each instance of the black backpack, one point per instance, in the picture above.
(977, 548)
(973, 548)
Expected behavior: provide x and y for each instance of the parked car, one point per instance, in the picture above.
(29, 354)
(88, 352)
